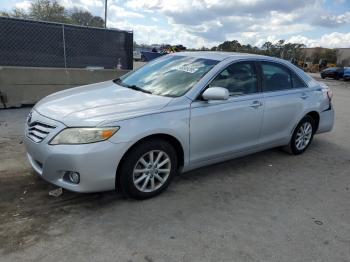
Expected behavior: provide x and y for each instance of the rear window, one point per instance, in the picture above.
(275, 77)
(297, 82)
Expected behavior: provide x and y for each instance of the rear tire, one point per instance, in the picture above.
(147, 169)
(302, 136)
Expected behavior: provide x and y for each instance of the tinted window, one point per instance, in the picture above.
(275, 77)
(238, 78)
(170, 75)
(297, 82)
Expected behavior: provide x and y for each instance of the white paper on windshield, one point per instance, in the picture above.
(187, 68)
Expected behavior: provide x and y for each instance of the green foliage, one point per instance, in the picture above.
(281, 49)
(52, 11)
(230, 46)
(316, 55)
(47, 10)
(81, 17)
(4, 14)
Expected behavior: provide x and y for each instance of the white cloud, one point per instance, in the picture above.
(331, 40)
(197, 23)
(94, 3)
(70, 4)
(25, 5)
(154, 34)
(328, 20)
(219, 20)
(117, 11)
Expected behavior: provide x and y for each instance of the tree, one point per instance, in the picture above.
(16, 12)
(19, 13)
(48, 10)
(52, 11)
(97, 21)
(5, 14)
(230, 46)
(293, 51)
(81, 17)
(316, 55)
(268, 48)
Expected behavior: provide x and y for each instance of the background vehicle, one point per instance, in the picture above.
(176, 113)
(333, 72)
(137, 55)
(346, 75)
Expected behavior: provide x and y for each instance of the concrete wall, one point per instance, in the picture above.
(343, 56)
(22, 85)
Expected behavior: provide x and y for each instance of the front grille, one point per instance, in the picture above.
(37, 131)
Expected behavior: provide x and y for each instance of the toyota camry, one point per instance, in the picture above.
(176, 113)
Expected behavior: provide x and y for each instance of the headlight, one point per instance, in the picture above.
(83, 135)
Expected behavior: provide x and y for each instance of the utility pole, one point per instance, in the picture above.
(105, 13)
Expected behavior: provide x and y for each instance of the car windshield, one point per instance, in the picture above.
(170, 75)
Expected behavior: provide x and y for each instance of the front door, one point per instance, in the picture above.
(219, 128)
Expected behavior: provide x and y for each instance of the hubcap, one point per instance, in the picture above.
(303, 136)
(151, 171)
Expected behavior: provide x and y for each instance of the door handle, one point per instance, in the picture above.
(304, 96)
(256, 104)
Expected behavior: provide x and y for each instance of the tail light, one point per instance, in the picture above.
(327, 91)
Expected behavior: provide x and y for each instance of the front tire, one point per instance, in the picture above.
(147, 169)
(302, 136)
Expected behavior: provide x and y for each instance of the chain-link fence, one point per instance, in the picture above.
(41, 44)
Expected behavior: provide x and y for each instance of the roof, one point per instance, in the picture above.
(215, 55)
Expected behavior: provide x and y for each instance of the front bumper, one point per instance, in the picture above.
(96, 163)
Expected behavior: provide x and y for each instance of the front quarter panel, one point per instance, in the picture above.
(173, 121)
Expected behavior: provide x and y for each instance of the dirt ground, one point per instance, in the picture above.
(268, 206)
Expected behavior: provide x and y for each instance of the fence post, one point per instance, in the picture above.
(64, 47)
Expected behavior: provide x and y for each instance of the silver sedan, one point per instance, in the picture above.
(176, 113)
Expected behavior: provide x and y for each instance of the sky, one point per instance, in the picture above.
(197, 23)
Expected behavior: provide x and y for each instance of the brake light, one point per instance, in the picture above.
(327, 91)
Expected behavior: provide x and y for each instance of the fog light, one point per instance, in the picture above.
(72, 177)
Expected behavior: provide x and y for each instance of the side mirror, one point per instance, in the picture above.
(216, 93)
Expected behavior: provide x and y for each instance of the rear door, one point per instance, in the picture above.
(285, 96)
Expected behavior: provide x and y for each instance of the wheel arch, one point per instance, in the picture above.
(316, 117)
(175, 142)
(314, 114)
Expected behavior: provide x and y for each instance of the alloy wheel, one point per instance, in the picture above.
(303, 136)
(151, 171)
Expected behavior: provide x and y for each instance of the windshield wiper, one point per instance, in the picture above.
(118, 81)
(134, 87)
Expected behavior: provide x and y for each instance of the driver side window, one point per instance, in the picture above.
(239, 79)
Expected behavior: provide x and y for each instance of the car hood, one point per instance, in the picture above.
(95, 104)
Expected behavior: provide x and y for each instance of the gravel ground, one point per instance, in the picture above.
(268, 206)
